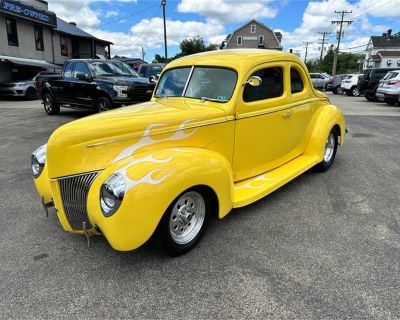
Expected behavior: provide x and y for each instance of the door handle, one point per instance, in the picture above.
(287, 115)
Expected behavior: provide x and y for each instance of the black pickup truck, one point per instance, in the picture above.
(99, 85)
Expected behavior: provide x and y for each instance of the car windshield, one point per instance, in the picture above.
(205, 83)
(111, 68)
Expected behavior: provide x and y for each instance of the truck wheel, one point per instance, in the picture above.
(355, 92)
(184, 222)
(329, 152)
(50, 106)
(30, 94)
(103, 104)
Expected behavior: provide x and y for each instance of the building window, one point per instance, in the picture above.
(253, 28)
(239, 40)
(261, 40)
(12, 34)
(39, 38)
(64, 46)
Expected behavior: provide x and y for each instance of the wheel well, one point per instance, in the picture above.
(336, 128)
(210, 197)
(103, 95)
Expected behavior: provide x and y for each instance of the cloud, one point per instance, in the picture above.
(224, 11)
(111, 13)
(149, 34)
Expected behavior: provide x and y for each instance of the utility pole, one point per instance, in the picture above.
(339, 36)
(163, 3)
(323, 43)
(305, 57)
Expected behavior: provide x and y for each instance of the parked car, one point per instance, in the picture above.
(350, 85)
(319, 80)
(223, 129)
(389, 88)
(151, 70)
(368, 83)
(19, 88)
(99, 85)
(334, 83)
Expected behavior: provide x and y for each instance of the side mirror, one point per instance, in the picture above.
(154, 79)
(254, 81)
(83, 77)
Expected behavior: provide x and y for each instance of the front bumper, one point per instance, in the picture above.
(12, 92)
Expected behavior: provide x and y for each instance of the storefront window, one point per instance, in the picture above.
(39, 38)
(12, 34)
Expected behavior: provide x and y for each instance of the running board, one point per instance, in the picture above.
(255, 188)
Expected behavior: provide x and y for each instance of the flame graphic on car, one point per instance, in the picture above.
(249, 185)
(146, 179)
(147, 140)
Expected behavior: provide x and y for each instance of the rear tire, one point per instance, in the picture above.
(355, 92)
(329, 152)
(184, 222)
(50, 106)
(349, 93)
(339, 90)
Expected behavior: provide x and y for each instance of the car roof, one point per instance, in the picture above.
(234, 58)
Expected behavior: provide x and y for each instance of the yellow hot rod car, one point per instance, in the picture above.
(222, 130)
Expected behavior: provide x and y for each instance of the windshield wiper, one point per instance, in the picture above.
(203, 99)
(105, 74)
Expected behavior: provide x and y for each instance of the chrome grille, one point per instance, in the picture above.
(74, 192)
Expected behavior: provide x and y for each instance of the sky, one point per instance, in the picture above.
(135, 24)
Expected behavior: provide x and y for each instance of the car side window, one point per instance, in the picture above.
(81, 67)
(271, 86)
(296, 83)
(68, 70)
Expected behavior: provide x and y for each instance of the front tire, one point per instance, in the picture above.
(103, 104)
(50, 106)
(184, 222)
(30, 94)
(329, 152)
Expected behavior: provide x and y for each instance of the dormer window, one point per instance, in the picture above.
(253, 28)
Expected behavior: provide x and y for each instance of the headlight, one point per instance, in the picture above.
(112, 193)
(38, 159)
(119, 90)
(18, 84)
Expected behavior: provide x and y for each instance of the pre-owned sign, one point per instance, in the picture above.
(27, 12)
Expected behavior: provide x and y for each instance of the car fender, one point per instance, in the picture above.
(153, 180)
(327, 117)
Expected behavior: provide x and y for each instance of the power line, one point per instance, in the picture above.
(127, 16)
(339, 36)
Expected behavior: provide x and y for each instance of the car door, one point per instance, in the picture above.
(65, 91)
(84, 89)
(303, 109)
(263, 122)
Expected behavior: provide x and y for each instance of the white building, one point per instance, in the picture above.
(383, 51)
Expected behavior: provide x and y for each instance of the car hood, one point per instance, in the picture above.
(124, 80)
(94, 142)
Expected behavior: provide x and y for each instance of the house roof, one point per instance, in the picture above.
(391, 53)
(385, 42)
(73, 30)
(261, 24)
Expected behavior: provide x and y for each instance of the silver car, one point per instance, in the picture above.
(320, 80)
(389, 88)
(20, 88)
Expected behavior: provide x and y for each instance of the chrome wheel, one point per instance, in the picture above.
(187, 217)
(329, 147)
(48, 104)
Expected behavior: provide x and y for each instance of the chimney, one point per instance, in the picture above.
(389, 33)
(73, 23)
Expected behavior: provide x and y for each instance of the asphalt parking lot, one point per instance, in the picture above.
(325, 246)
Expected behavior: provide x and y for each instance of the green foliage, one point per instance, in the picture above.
(188, 47)
(347, 63)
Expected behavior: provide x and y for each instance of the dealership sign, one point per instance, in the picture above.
(27, 12)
